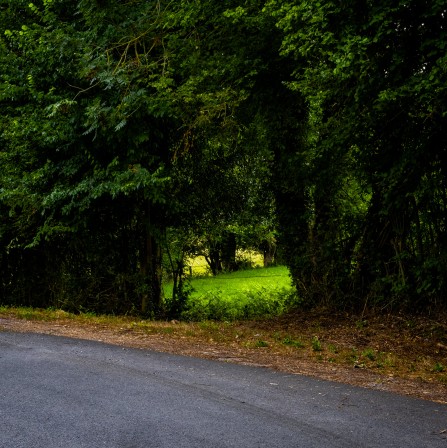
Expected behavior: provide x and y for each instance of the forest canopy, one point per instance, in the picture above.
(134, 134)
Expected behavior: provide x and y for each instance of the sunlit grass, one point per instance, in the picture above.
(239, 295)
(231, 285)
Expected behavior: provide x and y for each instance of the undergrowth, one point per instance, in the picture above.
(240, 295)
(216, 305)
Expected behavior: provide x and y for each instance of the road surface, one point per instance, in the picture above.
(65, 393)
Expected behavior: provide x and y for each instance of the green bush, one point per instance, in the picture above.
(246, 305)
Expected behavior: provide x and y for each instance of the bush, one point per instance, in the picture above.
(247, 305)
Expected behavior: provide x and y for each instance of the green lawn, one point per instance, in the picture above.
(233, 284)
(239, 295)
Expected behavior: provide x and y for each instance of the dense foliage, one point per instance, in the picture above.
(374, 75)
(136, 133)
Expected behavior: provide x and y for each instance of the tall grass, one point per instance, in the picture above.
(247, 294)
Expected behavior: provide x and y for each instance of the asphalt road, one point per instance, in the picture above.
(63, 393)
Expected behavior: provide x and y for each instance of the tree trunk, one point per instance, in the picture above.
(268, 251)
(150, 269)
(229, 252)
(214, 261)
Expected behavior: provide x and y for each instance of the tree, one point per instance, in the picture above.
(91, 149)
(80, 170)
(372, 74)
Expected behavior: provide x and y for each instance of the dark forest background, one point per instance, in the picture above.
(134, 134)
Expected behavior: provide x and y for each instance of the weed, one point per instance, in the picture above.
(30, 314)
(438, 367)
(277, 336)
(261, 343)
(390, 361)
(352, 356)
(369, 353)
(292, 342)
(316, 344)
(360, 324)
(386, 360)
(209, 325)
(332, 348)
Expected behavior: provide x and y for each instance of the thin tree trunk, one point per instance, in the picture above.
(229, 252)
(150, 268)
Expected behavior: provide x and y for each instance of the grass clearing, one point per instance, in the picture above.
(239, 295)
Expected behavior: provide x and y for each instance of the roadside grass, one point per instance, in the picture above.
(246, 294)
(387, 345)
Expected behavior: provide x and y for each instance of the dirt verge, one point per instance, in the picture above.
(389, 353)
